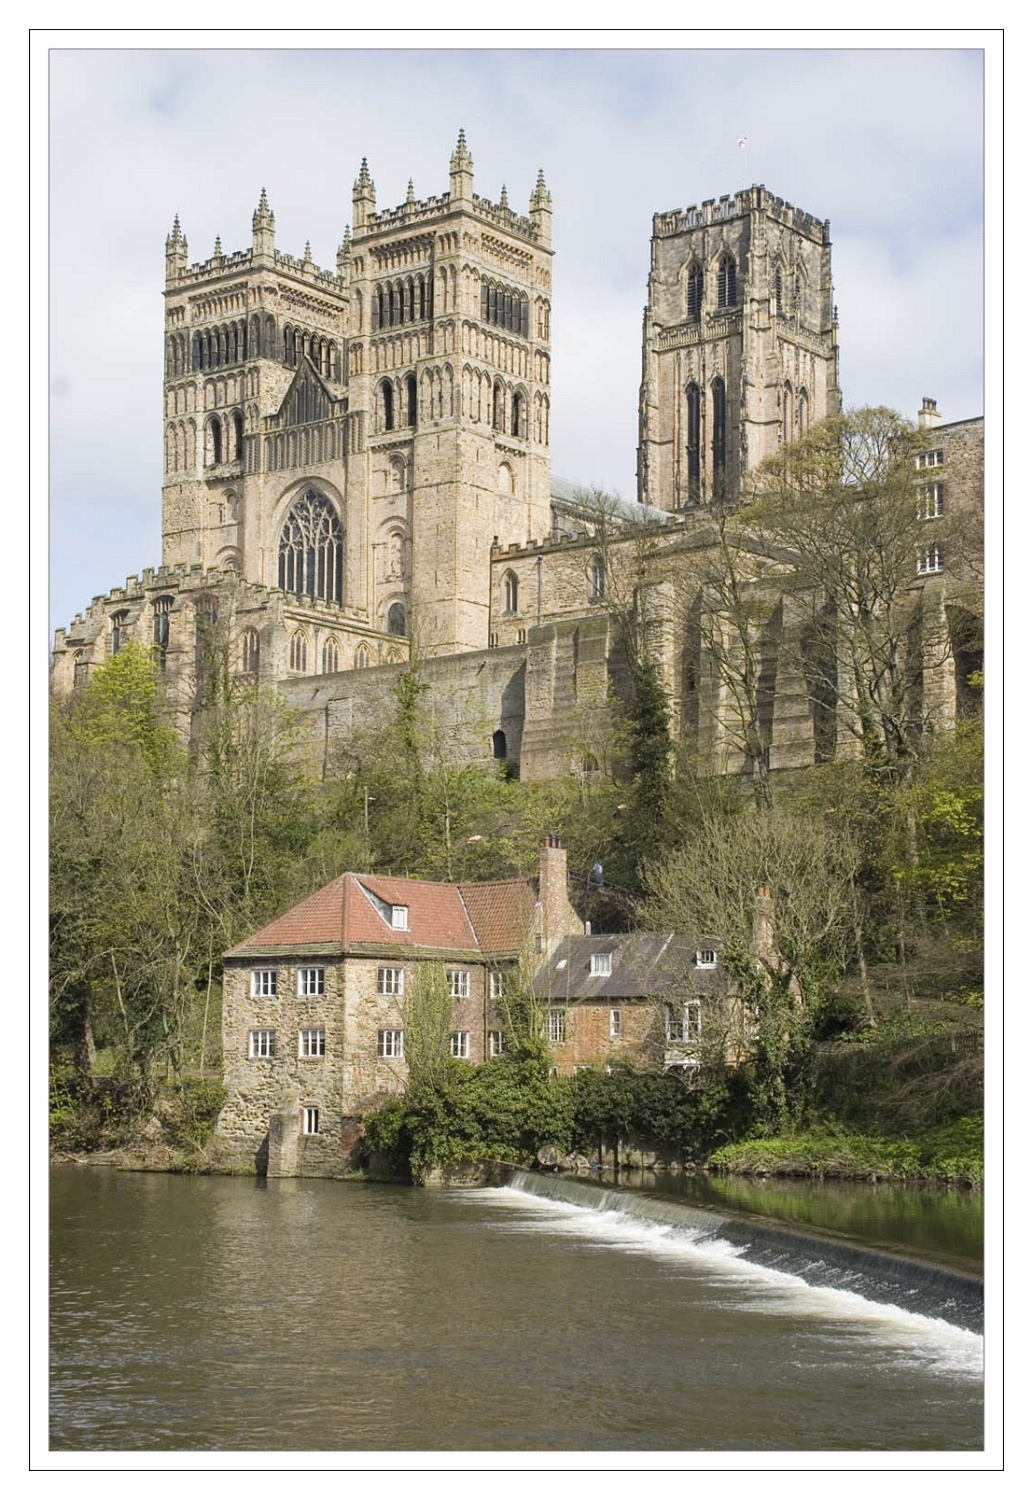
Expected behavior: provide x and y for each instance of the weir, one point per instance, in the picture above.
(894, 1280)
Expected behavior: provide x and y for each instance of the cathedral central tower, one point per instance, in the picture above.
(739, 345)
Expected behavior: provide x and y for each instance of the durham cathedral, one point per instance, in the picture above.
(357, 468)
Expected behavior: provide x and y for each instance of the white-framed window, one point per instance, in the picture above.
(459, 1044)
(930, 559)
(263, 982)
(706, 958)
(390, 981)
(459, 984)
(556, 1025)
(310, 1120)
(496, 984)
(601, 963)
(495, 1043)
(390, 1044)
(683, 1022)
(400, 918)
(261, 1044)
(615, 1024)
(310, 981)
(312, 1042)
(931, 460)
(930, 501)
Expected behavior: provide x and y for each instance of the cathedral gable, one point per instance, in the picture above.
(308, 398)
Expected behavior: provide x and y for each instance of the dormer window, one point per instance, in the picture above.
(601, 964)
(400, 918)
(706, 958)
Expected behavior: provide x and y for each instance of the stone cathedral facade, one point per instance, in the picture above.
(357, 465)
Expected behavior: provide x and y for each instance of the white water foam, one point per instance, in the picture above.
(911, 1337)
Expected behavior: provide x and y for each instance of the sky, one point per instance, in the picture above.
(884, 139)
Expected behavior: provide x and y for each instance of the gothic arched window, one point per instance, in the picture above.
(510, 593)
(396, 619)
(718, 394)
(597, 577)
(312, 549)
(331, 656)
(410, 400)
(362, 657)
(160, 629)
(249, 651)
(238, 435)
(694, 440)
(695, 291)
(778, 290)
(387, 395)
(519, 414)
(299, 652)
(726, 295)
(119, 622)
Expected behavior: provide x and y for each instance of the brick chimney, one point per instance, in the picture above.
(763, 944)
(558, 917)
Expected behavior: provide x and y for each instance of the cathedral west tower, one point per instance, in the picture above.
(740, 344)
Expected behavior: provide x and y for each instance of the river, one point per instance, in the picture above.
(239, 1314)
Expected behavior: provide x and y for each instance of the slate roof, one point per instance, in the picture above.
(644, 965)
(491, 918)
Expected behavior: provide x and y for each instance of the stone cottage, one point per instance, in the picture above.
(314, 1003)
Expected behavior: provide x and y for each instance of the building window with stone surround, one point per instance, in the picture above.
(312, 1042)
(615, 1025)
(261, 1044)
(930, 559)
(331, 656)
(390, 981)
(718, 395)
(263, 982)
(390, 1044)
(119, 622)
(396, 619)
(310, 982)
(249, 651)
(510, 593)
(930, 502)
(459, 984)
(312, 550)
(410, 400)
(556, 1026)
(160, 630)
(706, 958)
(597, 579)
(459, 1044)
(726, 289)
(931, 460)
(495, 1043)
(694, 415)
(694, 292)
(299, 652)
(310, 1124)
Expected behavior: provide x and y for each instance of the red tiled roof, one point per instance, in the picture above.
(493, 917)
(501, 912)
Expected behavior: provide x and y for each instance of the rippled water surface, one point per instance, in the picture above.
(240, 1314)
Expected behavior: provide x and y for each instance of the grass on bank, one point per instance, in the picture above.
(948, 1153)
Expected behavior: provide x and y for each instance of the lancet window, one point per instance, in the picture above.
(726, 291)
